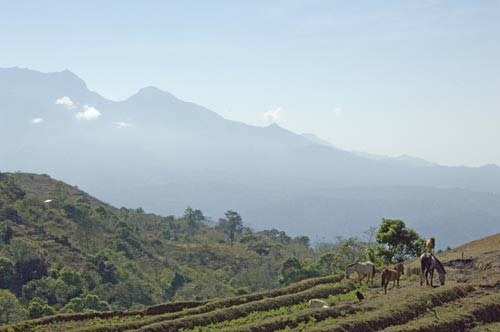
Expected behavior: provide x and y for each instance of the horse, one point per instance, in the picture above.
(315, 303)
(363, 270)
(429, 262)
(392, 275)
(428, 245)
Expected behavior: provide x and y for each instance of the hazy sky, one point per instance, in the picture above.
(418, 77)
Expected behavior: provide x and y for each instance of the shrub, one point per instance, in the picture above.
(39, 307)
(11, 310)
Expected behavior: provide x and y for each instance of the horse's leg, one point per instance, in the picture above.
(426, 277)
(432, 276)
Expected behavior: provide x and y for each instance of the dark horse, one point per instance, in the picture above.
(429, 262)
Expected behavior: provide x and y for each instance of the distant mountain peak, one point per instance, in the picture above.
(67, 72)
(151, 93)
(26, 72)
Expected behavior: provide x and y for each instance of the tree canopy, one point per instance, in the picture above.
(398, 241)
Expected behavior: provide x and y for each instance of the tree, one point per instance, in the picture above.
(400, 242)
(194, 215)
(6, 273)
(80, 214)
(73, 280)
(291, 271)
(6, 233)
(89, 302)
(231, 225)
(193, 218)
(30, 262)
(38, 307)
(74, 305)
(11, 310)
(326, 263)
(59, 194)
(53, 291)
(9, 188)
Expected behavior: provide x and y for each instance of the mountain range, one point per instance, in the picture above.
(161, 153)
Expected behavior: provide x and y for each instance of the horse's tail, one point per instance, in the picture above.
(383, 278)
(373, 271)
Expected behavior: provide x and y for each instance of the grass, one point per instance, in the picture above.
(470, 301)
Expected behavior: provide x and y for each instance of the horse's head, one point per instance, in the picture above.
(400, 268)
(348, 270)
(442, 276)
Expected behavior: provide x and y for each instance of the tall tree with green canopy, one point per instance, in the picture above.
(291, 271)
(231, 225)
(399, 242)
(11, 310)
(193, 218)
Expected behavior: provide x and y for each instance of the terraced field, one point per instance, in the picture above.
(470, 301)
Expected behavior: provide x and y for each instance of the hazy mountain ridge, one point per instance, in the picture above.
(157, 151)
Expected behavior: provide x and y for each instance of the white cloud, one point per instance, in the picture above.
(37, 120)
(88, 113)
(274, 115)
(66, 102)
(122, 124)
(338, 111)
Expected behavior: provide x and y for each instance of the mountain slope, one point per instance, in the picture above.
(468, 301)
(126, 257)
(156, 151)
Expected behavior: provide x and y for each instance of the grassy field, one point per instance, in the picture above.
(469, 301)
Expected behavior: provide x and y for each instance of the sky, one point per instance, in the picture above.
(415, 77)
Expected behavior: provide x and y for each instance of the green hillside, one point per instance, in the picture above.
(70, 262)
(468, 302)
(76, 253)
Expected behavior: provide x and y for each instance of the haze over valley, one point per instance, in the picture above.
(163, 154)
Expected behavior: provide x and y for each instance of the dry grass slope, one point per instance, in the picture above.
(470, 301)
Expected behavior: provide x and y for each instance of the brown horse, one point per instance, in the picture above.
(392, 275)
(428, 245)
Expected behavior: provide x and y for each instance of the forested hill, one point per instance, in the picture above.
(162, 153)
(63, 250)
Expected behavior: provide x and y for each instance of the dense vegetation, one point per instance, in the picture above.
(470, 301)
(64, 251)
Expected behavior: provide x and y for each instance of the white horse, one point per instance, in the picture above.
(316, 303)
(366, 269)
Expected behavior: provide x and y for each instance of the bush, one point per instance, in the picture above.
(6, 233)
(89, 302)
(11, 310)
(6, 273)
(39, 307)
